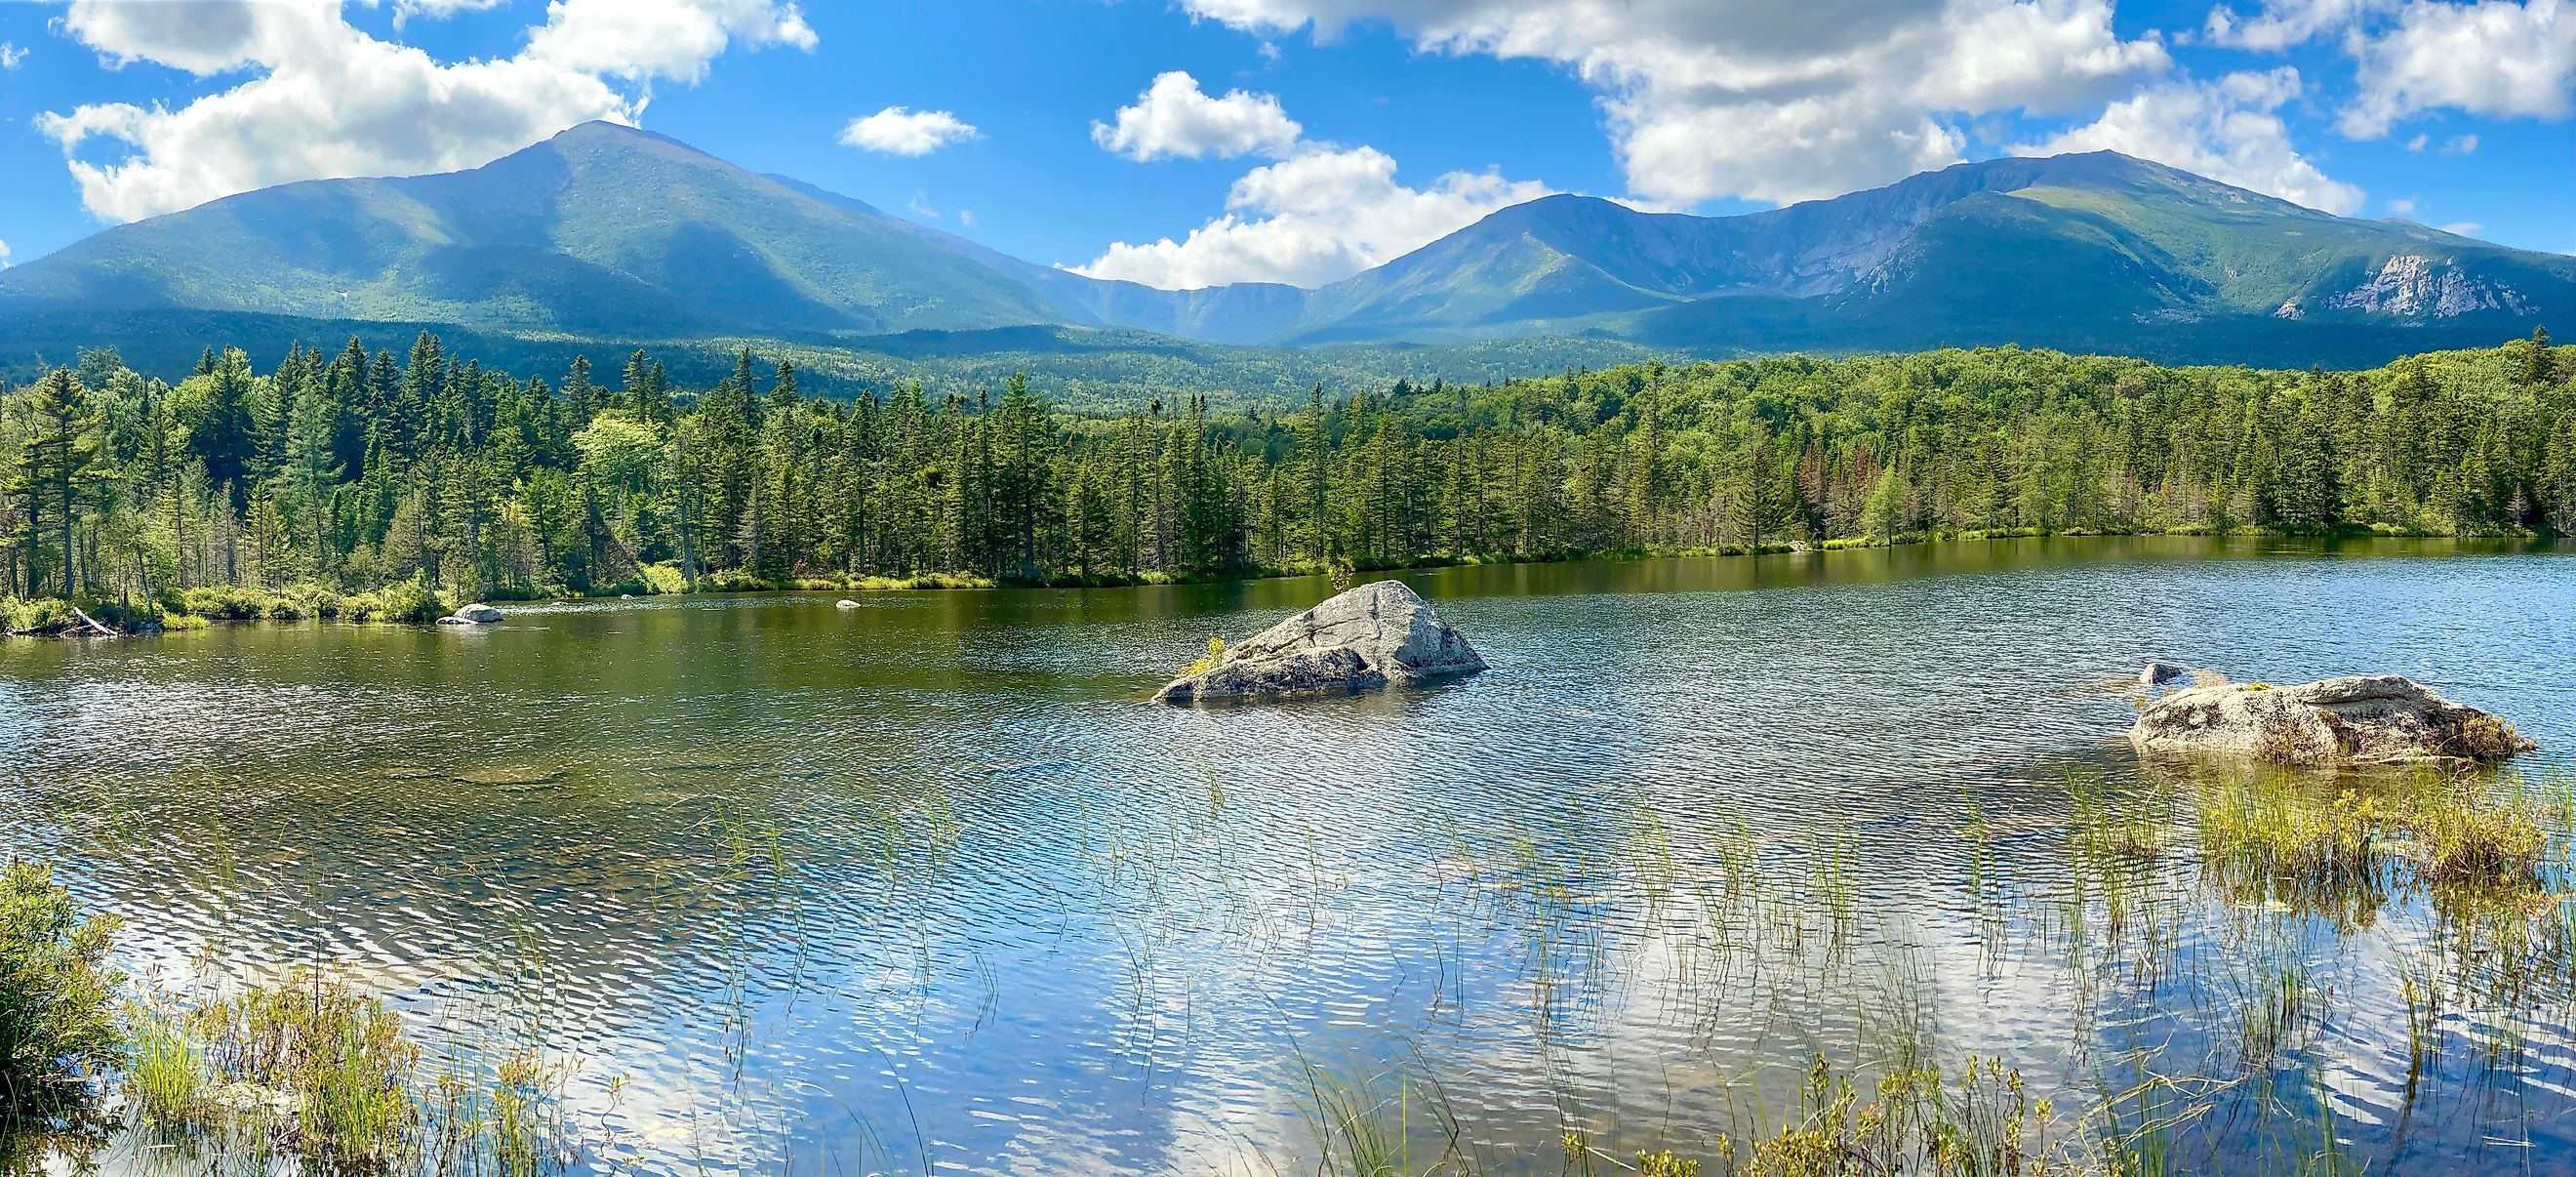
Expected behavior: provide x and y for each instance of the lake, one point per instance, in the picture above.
(932, 883)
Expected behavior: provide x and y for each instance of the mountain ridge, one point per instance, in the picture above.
(610, 231)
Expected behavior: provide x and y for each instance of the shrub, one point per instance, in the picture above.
(223, 603)
(308, 599)
(735, 580)
(409, 602)
(664, 578)
(56, 1027)
(2483, 738)
(41, 615)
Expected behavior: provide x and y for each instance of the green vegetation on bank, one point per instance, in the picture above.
(370, 485)
(57, 994)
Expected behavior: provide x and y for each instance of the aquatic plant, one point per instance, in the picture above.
(2273, 831)
(2117, 829)
(57, 995)
(319, 1073)
(166, 1076)
(1215, 653)
(1360, 1129)
(2277, 832)
(1982, 1125)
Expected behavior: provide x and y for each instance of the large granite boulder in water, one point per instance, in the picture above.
(1372, 636)
(2373, 719)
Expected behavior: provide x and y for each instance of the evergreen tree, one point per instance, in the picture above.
(56, 461)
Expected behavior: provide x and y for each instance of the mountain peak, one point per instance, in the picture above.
(603, 133)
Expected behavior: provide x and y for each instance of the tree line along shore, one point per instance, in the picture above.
(376, 486)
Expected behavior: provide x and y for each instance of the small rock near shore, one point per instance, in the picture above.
(2158, 674)
(2369, 719)
(1375, 635)
(475, 614)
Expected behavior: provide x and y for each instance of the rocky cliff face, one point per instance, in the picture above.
(2415, 286)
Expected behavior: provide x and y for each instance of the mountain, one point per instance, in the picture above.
(2098, 250)
(609, 233)
(601, 228)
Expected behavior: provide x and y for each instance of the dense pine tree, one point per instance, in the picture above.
(347, 471)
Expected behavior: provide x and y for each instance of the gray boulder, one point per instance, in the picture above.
(476, 614)
(1372, 636)
(2158, 674)
(2372, 719)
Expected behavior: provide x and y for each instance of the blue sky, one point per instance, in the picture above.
(1300, 139)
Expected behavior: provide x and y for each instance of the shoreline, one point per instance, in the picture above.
(300, 604)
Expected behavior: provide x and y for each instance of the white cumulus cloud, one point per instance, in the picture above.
(2492, 57)
(325, 99)
(1765, 100)
(678, 39)
(1173, 117)
(900, 130)
(2229, 130)
(404, 10)
(2281, 24)
(11, 55)
(1316, 217)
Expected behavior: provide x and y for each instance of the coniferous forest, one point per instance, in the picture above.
(246, 491)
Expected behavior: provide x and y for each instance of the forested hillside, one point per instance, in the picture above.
(339, 472)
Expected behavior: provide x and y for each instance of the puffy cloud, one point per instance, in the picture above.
(1173, 117)
(898, 130)
(643, 39)
(2278, 25)
(2229, 130)
(2459, 144)
(201, 38)
(11, 55)
(2404, 207)
(2492, 57)
(327, 100)
(404, 10)
(1313, 218)
(1771, 101)
(4, 255)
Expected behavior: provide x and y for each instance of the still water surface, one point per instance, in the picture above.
(933, 884)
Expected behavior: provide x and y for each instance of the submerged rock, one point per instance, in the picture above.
(1372, 636)
(845, 603)
(2158, 674)
(2372, 719)
(475, 614)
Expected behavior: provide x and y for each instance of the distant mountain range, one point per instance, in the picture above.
(609, 233)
